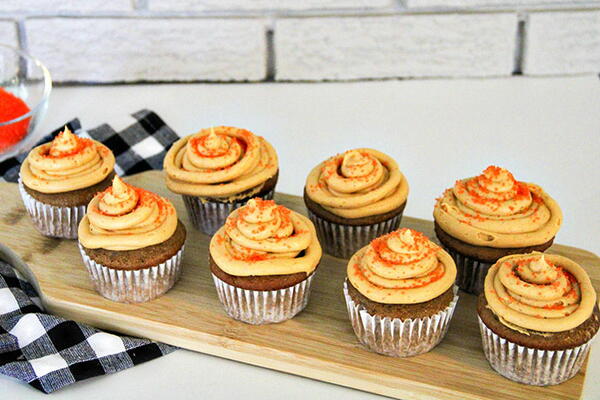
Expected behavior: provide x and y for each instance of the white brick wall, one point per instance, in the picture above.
(202, 5)
(8, 33)
(563, 43)
(395, 46)
(61, 6)
(316, 40)
(126, 49)
(492, 3)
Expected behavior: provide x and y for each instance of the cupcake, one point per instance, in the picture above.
(263, 261)
(132, 243)
(354, 197)
(538, 315)
(217, 170)
(58, 179)
(400, 293)
(487, 217)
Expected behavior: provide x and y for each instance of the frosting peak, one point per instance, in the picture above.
(357, 183)
(124, 217)
(215, 143)
(402, 267)
(119, 199)
(355, 164)
(494, 209)
(65, 143)
(263, 238)
(544, 293)
(220, 162)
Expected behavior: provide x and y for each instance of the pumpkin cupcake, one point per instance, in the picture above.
(58, 179)
(354, 197)
(400, 293)
(217, 170)
(263, 261)
(132, 243)
(484, 218)
(538, 315)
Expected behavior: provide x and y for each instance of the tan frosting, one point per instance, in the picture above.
(358, 183)
(124, 217)
(219, 162)
(539, 292)
(263, 238)
(495, 210)
(67, 163)
(402, 267)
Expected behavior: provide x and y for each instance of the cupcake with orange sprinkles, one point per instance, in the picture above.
(132, 243)
(400, 293)
(538, 315)
(263, 261)
(58, 179)
(492, 215)
(354, 197)
(218, 170)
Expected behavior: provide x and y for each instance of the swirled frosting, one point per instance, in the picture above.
(220, 162)
(495, 210)
(124, 217)
(540, 292)
(67, 163)
(358, 183)
(402, 267)
(263, 238)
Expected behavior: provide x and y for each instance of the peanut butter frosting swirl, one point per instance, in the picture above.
(358, 183)
(263, 238)
(220, 162)
(539, 292)
(67, 163)
(495, 210)
(124, 217)
(402, 267)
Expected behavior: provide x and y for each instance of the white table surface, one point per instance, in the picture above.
(545, 131)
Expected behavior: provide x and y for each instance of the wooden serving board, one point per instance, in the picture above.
(318, 343)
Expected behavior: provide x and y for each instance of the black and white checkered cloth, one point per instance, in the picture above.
(139, 147)
(49, 352)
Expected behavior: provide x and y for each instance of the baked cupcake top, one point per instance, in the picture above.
(358, 183)
(539, 292)
(67, 163)
(263, 238)
(402, 267)
(220, 162)
(495, 210)
(124, 217)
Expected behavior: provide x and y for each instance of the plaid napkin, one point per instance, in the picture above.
(139, 147)
(49, 352)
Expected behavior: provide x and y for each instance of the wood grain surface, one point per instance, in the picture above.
(318, 343)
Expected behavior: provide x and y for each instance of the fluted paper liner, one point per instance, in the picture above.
(528, 365)
(208, 216)
(259, 307)
(470, 273)
(344, 240)
(53, 221)
(395, 337)
(134, 286)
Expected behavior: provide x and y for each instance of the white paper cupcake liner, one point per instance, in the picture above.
(258, 307)
(395, 337)
(344, 240)
(209, 216)
(53, 221)
(134, 286)
(528, 365)
(470, 273)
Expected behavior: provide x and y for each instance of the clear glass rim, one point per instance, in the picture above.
(47, 84)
